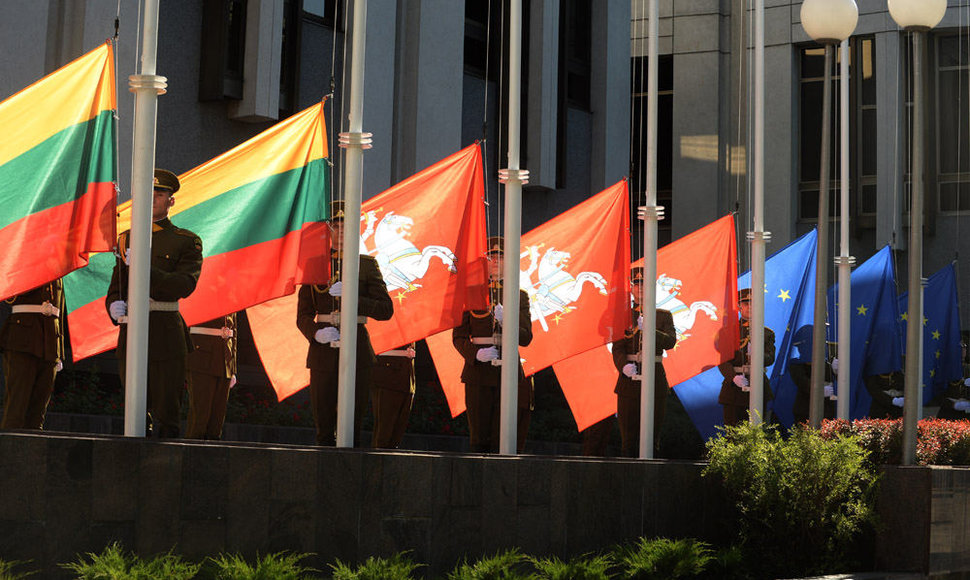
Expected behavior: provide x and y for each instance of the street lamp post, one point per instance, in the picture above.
(828, 22)
(916, 17)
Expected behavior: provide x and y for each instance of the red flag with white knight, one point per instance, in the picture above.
(575, 271)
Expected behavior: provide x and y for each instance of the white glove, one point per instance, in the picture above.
(335, 288)
(630, 369)
(411, 352)
(829, 391)
(497, 311)
(327, 335)
(118, 308)
(232, 381)
(486, 354)
(124, 254)
(962, 405)
(898, 401)
(58, 366)
(741, 382)
(966, 383)
(835, 365)
(640, 322)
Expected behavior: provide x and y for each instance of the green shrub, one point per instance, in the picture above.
(114, 564)
(802, 502)
(662, 558)
(509, 565)
(585, 567)
(7, 570)
(281, 566)
(397, 567)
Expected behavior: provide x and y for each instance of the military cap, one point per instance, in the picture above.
(337, 210)
(496, 245)
(744, 295)
(165, 180)
(636, 274)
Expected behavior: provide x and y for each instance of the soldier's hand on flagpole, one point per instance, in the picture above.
(327, 335)
(232, 381)
(828, 390)
(497, 312)
(898, 401)
(962, 405)
(487, 354)
(335, 289)
(741, 381)
(640, 322)
(118, 309)
(835, 365)
(966, 383)
(58, 366)
(630, 369)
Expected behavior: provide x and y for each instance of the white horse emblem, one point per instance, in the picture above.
(555, 289)
(401, 262)
(667, 291)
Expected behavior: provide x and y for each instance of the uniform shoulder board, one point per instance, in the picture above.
(195, 238)
(368, 257)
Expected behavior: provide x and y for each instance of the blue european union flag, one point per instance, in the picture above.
(941, 332)
(789, 283)
(875, 337)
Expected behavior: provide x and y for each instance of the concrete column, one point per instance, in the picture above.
(543, 104)
(890, 146)
(379, 97)
(781, 122)
(428, 122)
(261, 73)
(609, 92)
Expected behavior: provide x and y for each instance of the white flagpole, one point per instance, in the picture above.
(513, 178)
(354, 141)
(147, 86)
(844, 260)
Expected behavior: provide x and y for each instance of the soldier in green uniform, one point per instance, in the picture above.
(736, 387)
(33, 350)
(628, 359)
(318, 318)
(956, 398)
(175, 269)
(800, 368)
(392, 395)
(478, 339)
(886, 390)
(212, 372)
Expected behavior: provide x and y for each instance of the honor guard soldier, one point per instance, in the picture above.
(318, 318)
(800, 369)
(956, 398)
(478, 339)
(628, 359)
(887, 394)
(212, 372)
(176, 265)
(32, 343)
(736, 387)
(392, 396)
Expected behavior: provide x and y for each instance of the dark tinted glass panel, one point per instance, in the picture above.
(953, 151)
(868, 141)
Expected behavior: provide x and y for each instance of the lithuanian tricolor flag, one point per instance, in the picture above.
(57, 173)
(261, 211)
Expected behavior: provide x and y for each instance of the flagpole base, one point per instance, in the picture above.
(348, 140)
(513, 176)
(655, 212)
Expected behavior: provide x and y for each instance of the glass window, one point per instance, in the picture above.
(952, 130)
(665, 139)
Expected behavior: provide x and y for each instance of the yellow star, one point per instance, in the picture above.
(932, 374)
(904, 316)
(938, 354)
(557, 318)
(862, 310)
(925, 320)
(400, 297)
(784, 295)
(936, 335)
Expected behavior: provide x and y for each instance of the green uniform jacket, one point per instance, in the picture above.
(395, 373)
(373, 302)
(480, 324)
(883, 389)
(176, 265)
(730, 393)
(630, 345)
(215, 355)
(955, 390)
(35, 334)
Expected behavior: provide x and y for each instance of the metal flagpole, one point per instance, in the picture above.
(650, 214)
(844, 261)
(513, 177)
(354, 142)
(147, 86)
(759, 237)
